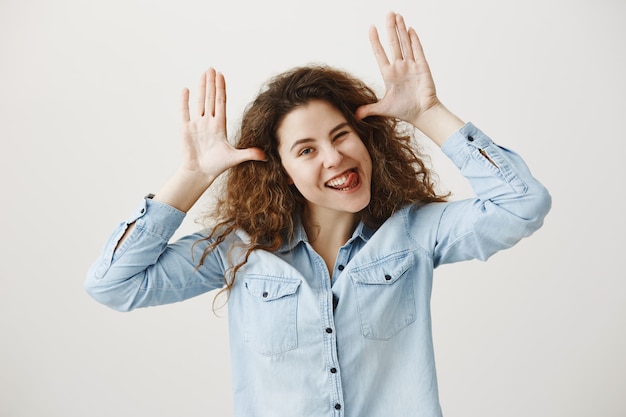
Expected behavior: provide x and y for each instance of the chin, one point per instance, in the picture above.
(361, 207)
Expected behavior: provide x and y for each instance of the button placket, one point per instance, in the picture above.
(328, 334)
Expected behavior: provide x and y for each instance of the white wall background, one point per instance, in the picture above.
(89, 99)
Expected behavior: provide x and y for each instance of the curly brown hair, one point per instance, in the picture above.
(258, 198)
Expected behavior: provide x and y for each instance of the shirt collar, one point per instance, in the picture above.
(361, 231)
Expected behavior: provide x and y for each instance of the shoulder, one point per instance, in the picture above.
(413, 226)
(422, 218)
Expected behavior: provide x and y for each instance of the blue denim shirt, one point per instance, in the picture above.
(359, 345)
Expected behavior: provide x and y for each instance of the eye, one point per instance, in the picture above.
(340, 135)
(305, 151)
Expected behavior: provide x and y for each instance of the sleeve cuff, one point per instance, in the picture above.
(157, 218)
(456, 146)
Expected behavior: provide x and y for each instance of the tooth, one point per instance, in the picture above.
(340, 180)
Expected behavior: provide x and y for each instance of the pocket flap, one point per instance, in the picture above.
(383, 271)
(268, 288)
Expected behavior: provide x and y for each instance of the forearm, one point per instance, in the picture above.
(181, 191)
(148, 270)
(510, 203)
(438, 123)
(500, 178)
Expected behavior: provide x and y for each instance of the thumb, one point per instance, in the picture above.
(249, 154)
(365, 111)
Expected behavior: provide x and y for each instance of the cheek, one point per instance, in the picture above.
(361, 148)
(286, 171)
(367, 161)
(301, 175)
(284, 168)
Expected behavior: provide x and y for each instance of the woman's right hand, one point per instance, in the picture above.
(206, 151)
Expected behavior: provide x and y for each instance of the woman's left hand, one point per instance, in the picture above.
(410, 90)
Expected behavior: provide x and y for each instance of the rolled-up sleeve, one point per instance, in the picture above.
(510, 203)
(146, 269)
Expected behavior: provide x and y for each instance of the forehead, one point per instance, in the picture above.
(317, 117)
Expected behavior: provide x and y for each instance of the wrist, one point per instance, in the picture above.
(438, 123)
(193, 178)
(183, 189)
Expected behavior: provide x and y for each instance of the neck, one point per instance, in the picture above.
(328, 232)
(329, 227)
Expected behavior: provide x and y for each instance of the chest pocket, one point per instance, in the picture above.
(270, 307)
(385, 297)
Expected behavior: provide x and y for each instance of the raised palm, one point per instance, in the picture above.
(409, 87)
(206, 150)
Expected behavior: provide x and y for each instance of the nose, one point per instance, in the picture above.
(332, 157)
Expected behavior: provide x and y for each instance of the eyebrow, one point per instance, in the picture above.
(307, 140)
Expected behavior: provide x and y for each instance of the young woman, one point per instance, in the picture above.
(327, 235)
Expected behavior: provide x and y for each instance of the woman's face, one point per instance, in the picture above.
(325, 159)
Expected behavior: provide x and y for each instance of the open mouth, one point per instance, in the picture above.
(344, 182)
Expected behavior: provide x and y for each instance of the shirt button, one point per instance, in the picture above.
(340, 267)
(470, 138)
(333, 370)
(387, 277)
(337, 406)
(329, 330)
(265, 294)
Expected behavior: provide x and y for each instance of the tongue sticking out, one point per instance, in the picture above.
(352, 180)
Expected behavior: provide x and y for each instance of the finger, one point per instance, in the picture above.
(418, 51)
(201, 93)
(377, 48)
(220, 97)
(209, 100)
(392, 34)
(405, 41)
(184, 101)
